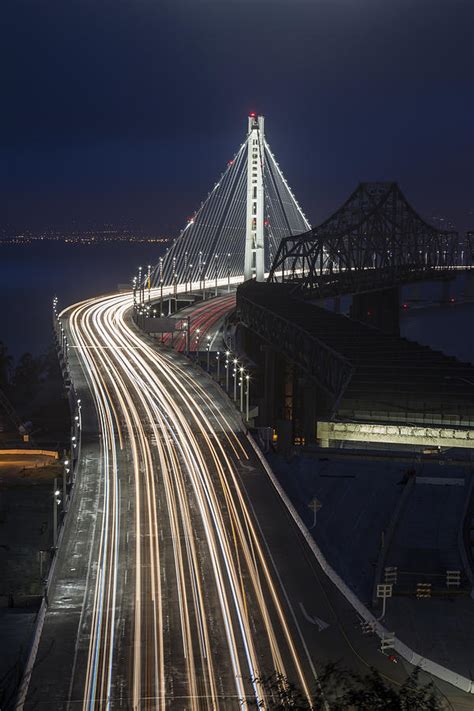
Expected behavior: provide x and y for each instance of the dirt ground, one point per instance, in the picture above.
(26, 512)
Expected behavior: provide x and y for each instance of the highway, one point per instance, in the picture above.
(185, 610)
(191, 579)
(204, 321)
(203, 600)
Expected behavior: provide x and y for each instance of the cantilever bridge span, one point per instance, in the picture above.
(376, 239)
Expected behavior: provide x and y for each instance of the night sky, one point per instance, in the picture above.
(127, 112)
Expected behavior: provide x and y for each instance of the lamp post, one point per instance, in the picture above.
(56, 503)
(227, 368)
(247, 397)
(241, 389)
(235, 380)
(218, 358)
(208, 346)
(188, 334)
(197, 344)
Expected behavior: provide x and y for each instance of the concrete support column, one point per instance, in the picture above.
(323, 434)
(267, 417)
(308, 412)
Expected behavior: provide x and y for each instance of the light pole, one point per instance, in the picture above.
(208, 346)
(188, 334)
(66, 471)
(218, 358)
(235, 380)
(56, 502)
(247, 397)
(241, 389)
(227, 368)
(197, 345)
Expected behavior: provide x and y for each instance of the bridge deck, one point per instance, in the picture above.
(393, 378)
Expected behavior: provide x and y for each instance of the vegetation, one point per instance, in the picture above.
(6, 362)
(343, 690)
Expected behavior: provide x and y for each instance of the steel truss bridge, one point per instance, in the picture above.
(375, 240)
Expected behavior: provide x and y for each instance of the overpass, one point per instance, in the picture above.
(329, 377)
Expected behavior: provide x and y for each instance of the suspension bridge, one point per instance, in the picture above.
(238, 228)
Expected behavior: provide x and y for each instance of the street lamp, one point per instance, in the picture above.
(235, 379)
(247, 397)
(241, 389)
(227, 368)
(197, 343)
(208, 346)
(56, 502)
(218, 358)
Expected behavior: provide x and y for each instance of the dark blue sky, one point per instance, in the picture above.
(127, 111)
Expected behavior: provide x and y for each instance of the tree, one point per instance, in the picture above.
(344, 690)
(5, 366)
(27, 375)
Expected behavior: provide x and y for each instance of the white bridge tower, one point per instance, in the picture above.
(238, 228)
(254, 262)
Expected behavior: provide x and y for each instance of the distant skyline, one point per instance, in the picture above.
(127, 112)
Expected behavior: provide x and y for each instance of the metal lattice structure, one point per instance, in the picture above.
(376, 237)
(240, 224)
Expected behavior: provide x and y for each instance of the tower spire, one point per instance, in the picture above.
(254, 262)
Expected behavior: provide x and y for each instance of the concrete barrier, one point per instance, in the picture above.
(431, 667)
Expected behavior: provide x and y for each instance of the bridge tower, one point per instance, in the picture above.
(254, 262)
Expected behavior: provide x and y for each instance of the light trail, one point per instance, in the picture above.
(203, 603)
